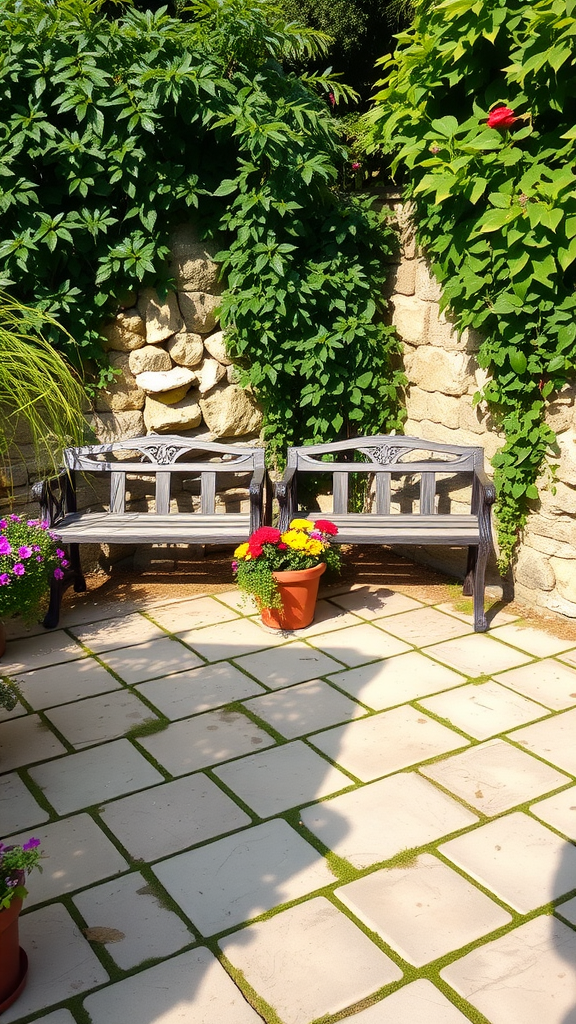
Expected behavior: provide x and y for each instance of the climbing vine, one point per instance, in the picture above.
(477, 108)
(113, 129)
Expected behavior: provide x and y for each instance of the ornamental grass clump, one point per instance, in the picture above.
(16, 863)
(303, 545)
(29, 559)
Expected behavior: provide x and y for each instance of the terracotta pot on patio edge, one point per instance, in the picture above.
(13, 960)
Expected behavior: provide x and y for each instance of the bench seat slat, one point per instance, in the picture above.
(404, 529)
(151, 528)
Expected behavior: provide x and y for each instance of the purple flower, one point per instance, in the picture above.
(18, 569)
(31, 522)
(15, 519)
(4, 579)
(234, 566)
(58, 574)
(3, 523)
(5, 548)
(315, 535)
(44, 524)
(64, 563)
(39, 558)
(36, 547)
(60, 553)
(24, 551)
(31, 844)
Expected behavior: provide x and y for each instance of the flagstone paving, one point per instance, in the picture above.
(371, 820)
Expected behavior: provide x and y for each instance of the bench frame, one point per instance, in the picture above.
(160, 456)
(382, 454)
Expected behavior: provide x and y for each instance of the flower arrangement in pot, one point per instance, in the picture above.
(282, 570)
(29, 558)
(16, 862)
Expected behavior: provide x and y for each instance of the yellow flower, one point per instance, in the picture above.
(314, 547)
(241, 551)
(301, 524)
(295, 539)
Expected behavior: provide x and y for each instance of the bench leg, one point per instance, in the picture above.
(79, 581)
(53, 614)
(468, 587)
(480, 620)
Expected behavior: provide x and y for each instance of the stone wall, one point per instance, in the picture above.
(443, 375)
(173, 372)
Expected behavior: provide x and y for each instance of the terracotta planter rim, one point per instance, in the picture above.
(293, 575)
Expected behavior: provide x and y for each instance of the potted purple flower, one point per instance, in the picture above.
(29, 558)
(16, 863)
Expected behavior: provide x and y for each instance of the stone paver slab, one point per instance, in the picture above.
(526, 975)
(208, 739)
(567, 910)
(75, 853)
(425, 626)
(386, 742)
(477, 654)
(97, 719)
(235, 879)
(423, 911)
(559, 811)
(309, 961)
(384, 684)
(50, 648)
(293, 663)
(375, 604)
(63, 684)
(241, 636)
(191, 987)
(494, 776)
(26, 740)
(518, 859)
(553, 740)
(356, 645)
(132, 923)
(188, 693)
(18, 808)
(533, 641)
(570, 656)
(328, 617)
(155, 658)
(169, 818)
(483, 709)
(284, 777)
(498, 618)
(58, 968)
(376, 822)
(114, 633)
(304, 708)
(93, 776)
(548, 682)
(192, 614)
(417, 1003)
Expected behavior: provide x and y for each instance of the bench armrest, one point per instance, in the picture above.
(486, 489)
(256, 491)
(285, 492)
(56, 496)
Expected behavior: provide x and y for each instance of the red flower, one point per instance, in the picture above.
(255, 550)
(501, 117)
(325, 526)
(265, 535)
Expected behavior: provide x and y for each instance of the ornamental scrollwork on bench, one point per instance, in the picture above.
(162, 454)
(386, 454)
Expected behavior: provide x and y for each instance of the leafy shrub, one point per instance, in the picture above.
(113, 131)
(496, 206)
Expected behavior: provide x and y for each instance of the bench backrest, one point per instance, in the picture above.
(163, 455)
(386, 456)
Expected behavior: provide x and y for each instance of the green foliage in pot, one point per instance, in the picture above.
(477, 108)
(114, 130)
(29, 559)
(16, 863)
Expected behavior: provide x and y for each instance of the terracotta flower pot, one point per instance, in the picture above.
(298, 592)
(13, 960)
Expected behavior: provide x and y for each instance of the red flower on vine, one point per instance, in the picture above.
(501, 117)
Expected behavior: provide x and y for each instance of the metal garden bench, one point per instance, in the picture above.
(162, 457)
(384, 459)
